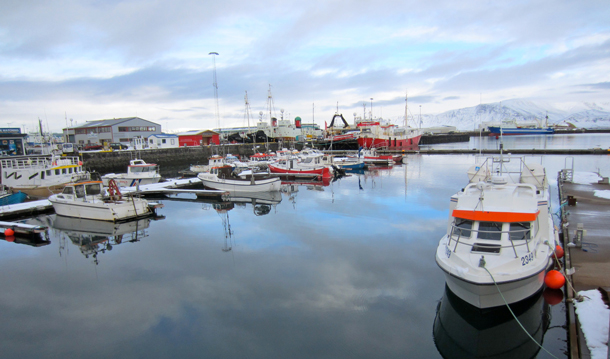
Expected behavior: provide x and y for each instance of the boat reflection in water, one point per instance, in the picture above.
(464, 331)
(94, 237)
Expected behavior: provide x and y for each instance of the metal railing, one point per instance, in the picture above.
(459, 230)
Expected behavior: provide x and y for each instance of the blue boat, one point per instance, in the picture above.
(352, 166)
(521, 130)
(512, 127)
(12, 198)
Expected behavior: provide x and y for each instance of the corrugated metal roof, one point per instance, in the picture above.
(112, 122)
(163, 135)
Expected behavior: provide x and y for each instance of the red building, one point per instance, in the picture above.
(198, 138)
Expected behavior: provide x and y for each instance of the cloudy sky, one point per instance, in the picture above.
(92, 59)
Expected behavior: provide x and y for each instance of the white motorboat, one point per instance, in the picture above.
(41, 176)
(89, 200)
(221, 179)
(138, 173)
(500, 232)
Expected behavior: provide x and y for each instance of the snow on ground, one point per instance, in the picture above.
(602, 193)
(585, 177)
(593, 315)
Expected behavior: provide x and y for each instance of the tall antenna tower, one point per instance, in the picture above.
(217, 113)
(247, 112)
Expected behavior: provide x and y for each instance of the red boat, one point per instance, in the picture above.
(375, 135)
(292, 166)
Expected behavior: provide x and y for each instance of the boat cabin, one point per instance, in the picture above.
(140, 167)
(75, 191)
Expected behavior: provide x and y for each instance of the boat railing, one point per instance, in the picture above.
(526, 239)
(38, 162)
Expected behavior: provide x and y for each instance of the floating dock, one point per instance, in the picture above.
(25, 209)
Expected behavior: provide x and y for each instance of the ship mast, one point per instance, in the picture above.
(215, 84)
(406, 100)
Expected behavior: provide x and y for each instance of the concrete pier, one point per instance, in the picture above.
(587, 247)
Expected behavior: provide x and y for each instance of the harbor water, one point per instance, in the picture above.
(345, 270)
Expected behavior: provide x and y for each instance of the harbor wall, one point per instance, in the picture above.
(170, 160)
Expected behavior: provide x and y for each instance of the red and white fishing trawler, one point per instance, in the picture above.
(500, 238)
(374, 133)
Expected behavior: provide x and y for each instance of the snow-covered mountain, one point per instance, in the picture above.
(581, 115)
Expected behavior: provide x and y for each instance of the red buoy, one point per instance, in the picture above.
(552, 296)
(9, 232)
(554, 279)
(558, 251)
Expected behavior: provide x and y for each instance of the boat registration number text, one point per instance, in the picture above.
(447, 251)
(526, 259)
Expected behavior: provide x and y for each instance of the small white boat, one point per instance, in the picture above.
(89, 200)
(500, 231)
(221, 179)
(138, 173)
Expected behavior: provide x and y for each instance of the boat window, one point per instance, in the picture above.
(486, 248)
(520, 231)
(490, 230)
(70, 170)
(80, 191)
(68, 190)
(463, 227)
(49, 172)
(57, 172)
(64, 171)
(136, 169)
(42, 175)
(93, 189)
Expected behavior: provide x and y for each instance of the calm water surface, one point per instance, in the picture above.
(559, 141)
(342, 271)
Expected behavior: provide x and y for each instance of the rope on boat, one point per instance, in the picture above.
(514, 316)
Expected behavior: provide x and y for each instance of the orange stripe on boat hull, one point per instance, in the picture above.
(486, 216)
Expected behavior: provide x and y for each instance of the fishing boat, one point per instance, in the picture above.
(500, 236)
(222, 179)
(213, 161)
(370, 156)
(138, 173)
(292, 166)
(376, 133)
(41, 176)
(89, 200)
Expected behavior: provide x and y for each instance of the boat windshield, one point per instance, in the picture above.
(490, 230)
(463, 227)
(143, 169)
(68, 190)
(94, 189)
(520, 231)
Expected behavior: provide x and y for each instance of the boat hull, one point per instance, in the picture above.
(104, 211)
(322, 171)
(370, 142)
(487, 295)
(240, 185)
(493, 131)
(12, 198)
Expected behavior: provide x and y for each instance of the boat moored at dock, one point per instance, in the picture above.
(89, 200)
(138, 173)
(41, 176)
(500, 236)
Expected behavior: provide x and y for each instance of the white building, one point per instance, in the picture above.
(163, 141)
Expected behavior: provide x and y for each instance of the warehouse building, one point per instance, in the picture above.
(118, 130)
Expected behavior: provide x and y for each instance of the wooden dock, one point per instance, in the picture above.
(587, 249)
